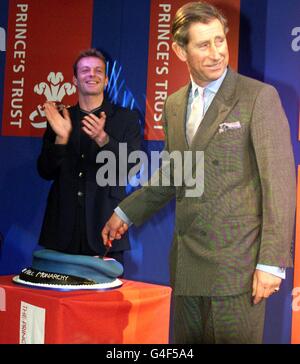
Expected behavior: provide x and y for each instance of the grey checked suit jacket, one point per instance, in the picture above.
(246, 214)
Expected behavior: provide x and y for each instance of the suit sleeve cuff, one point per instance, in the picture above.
(123, 216)
(277, 271)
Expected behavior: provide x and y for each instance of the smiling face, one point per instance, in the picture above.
(206, 53)
(91, 78)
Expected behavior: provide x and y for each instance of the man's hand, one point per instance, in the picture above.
(94, 127)
(61, 125)
(113, 229)
(264, 284)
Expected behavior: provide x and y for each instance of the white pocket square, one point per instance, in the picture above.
(229, 126)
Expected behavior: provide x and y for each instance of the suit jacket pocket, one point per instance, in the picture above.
(228, 151)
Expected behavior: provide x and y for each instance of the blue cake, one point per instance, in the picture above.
(53, 269)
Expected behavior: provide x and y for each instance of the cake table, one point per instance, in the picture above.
(135, 313)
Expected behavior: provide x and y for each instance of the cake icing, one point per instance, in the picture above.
(52, 269)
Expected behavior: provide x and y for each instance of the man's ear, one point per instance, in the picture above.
(180, 52)
(75, 80)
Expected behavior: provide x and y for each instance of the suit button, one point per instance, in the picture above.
(79, 193)
(215, 162)
(80, 174)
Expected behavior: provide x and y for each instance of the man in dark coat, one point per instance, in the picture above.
(79, 205)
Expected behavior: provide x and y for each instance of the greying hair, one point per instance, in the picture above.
(194, 12)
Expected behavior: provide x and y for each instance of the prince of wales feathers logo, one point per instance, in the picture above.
(53, 91)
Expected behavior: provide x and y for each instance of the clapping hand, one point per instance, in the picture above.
(93, 126)
(61, 124)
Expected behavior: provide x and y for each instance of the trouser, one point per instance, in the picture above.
(218, 320)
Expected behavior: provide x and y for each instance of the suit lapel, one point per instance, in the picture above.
(222, 104)
(224, 101)
(177, 120)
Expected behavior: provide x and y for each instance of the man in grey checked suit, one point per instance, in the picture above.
(232, 243)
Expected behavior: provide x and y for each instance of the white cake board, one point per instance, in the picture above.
(99, 286)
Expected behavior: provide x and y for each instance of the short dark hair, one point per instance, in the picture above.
(194, 12)
(91, 52)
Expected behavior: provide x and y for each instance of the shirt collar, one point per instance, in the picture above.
(91, 111)
(213, 86)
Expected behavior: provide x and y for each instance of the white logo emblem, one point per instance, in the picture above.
(54, 91)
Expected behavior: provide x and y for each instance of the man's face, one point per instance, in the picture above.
(91, 79)
(206, 54)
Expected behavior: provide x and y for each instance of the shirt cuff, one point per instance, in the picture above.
(277, 271)
(123, 216)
